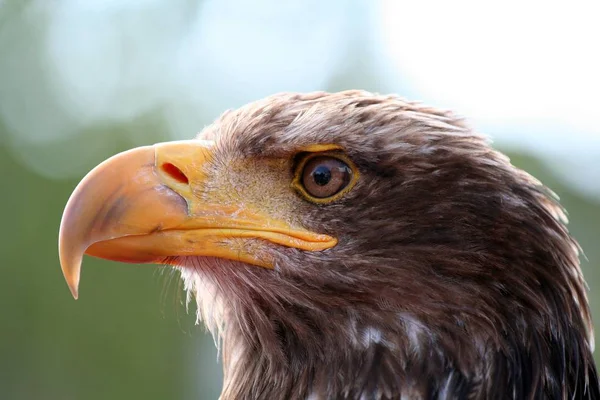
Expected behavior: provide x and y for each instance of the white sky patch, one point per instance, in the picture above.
(511, 60)
(524, 73)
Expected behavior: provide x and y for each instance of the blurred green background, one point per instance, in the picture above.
(81, 81)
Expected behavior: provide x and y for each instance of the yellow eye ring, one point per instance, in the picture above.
(324, 177)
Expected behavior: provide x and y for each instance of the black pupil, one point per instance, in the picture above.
(322, 175)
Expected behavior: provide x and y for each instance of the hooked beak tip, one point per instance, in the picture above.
(71, 269)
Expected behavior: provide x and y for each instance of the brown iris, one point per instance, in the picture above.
(324, 178)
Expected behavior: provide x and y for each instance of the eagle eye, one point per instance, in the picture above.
(324, 177)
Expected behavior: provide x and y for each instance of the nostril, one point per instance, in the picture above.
(175, 173)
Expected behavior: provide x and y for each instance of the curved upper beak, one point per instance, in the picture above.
(142, 206)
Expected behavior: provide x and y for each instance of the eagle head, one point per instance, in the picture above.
(352, 245)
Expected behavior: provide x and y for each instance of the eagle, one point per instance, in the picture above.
(352, 245)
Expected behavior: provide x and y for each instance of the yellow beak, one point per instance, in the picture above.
(141, 206)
